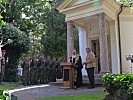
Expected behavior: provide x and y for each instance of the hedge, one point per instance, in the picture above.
(119, 86)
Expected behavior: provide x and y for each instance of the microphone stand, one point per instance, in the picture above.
(131, 66)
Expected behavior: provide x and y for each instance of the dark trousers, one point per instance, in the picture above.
(3, 71)
(34, 76)
(90, 72)
(79, 77)
(26, 77)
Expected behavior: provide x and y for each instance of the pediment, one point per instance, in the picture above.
(75, 9)
(77, 2)
(66, 4)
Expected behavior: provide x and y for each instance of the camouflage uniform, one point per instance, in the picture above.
(45, 77)
(48, 68)
(26, 73)
(42, 71)
(53, 71)
(58, 70)
(34, 71)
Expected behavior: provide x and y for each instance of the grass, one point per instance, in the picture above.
(9, 86)
(78, 97)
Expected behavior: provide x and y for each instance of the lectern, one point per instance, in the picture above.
(68, 74)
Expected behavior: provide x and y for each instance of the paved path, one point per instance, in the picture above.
(32, 92)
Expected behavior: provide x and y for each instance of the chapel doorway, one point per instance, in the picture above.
(96, 49)
(95, 46)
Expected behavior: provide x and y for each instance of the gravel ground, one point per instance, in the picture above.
(32, 92)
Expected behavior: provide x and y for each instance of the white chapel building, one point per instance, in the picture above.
(105, 27)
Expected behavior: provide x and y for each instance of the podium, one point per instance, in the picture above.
(68, 74)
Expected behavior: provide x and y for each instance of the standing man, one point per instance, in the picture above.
(42, 70)
(90, 65)
(58, 69)
(48, 68)
(34, 70)
(26, 73)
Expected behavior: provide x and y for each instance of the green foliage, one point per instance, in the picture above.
(128, 3)
(26, 16)
(2, 97)
(130, 90)
(5, 87)
(32, 18)
(112, 83)
(78, 97)
(2, 9)
(29, 16)
(54, 39)
(19, 45)
(34, 24)
(76, 38)
(9, 86)
(44, 25)
(19, 39)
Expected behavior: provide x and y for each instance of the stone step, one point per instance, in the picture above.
(98, 80)
(59, 82)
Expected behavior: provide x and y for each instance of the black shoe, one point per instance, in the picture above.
(24, 85)
(78, 86)
(91, 87)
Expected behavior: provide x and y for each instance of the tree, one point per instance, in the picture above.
(1, 11)
(20, 40)
(27, 16)
(126, 3)
(19, 45)
(26, 21)
(54, 39)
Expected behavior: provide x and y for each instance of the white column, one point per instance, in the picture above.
(114, 48)
(82, 46)
(70, 40)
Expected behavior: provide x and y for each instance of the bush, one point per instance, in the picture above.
(130, 90)
(2, 96)
(114, 83)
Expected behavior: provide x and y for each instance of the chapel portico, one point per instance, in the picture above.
(97, 27)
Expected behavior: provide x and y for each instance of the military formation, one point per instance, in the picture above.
(40, 70)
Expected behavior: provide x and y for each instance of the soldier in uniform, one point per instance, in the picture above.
(42, 70)
(45, 76)
(53, 71)
(26, 73)
(34, 70)
(48, 68)
(58, 69)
